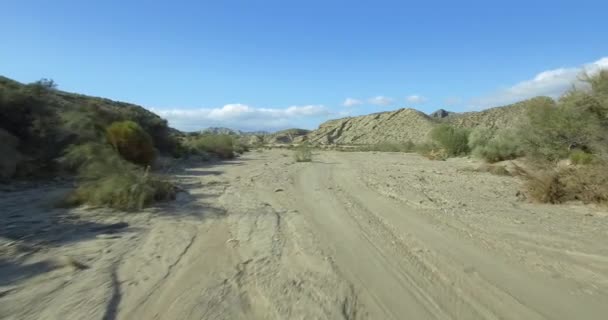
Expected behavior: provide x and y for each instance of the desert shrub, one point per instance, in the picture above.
(221, 145)
(131, 142)
(303, 153)
(588, 184)
(494, 146)
(240, 148)
(580, 157)
(408, 146)
(453, 140)
(10, 157)
(106, 179)
(432, 151)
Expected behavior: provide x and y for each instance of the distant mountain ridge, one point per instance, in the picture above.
(224, 130)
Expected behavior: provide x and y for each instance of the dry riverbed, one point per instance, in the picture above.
(348, 236)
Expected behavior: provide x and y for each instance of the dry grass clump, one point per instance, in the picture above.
(432, 151)
(588, 184)
(106, 179)
(303, 153)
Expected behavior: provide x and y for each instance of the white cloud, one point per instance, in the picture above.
(241, 116)
(380, 101)
(351, 102)
(416, 99)
(551, 83)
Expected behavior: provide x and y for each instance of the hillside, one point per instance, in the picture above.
(409, 124)
(41, 122)
(499, 117)
(394, 126)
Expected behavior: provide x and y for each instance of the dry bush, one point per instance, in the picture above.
(303, 153)
(432, 151)
(588, 184)
(132, 142)
(106, 179)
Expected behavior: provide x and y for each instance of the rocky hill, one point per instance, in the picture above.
(280, 137)
(394, 126)
(409, 124)
(499, 117)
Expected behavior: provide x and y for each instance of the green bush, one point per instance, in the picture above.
(303, 153)
(494, 146)
(580, 157)
(131, 142)
(221, 145)
(451, 139)
(106, 179)
(579, 120)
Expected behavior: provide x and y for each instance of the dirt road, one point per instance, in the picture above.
(348, 236)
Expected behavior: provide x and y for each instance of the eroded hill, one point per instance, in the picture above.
(409, 124)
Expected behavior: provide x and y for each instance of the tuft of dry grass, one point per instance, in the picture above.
(303, 153)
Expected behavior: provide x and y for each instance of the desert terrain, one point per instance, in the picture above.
(350, 235)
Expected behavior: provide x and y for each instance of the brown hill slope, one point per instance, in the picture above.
(409, 124)
(393, 126)
(500, 117)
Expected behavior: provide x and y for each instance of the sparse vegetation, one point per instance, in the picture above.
(408, 146)
(303, 153)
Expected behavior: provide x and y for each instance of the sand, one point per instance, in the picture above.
(347, 236)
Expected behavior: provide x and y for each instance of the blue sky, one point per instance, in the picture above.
(276, 64)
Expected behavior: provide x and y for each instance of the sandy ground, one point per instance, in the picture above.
(348, 236)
